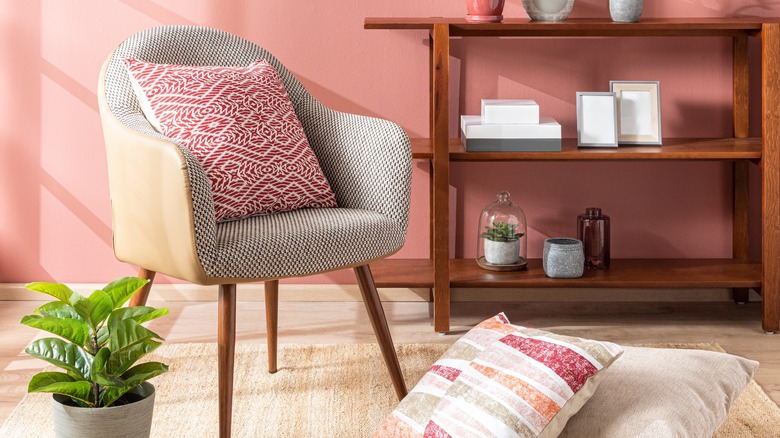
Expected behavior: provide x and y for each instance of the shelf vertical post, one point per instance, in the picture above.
(741, 176)
(440, 65)
(770, 174)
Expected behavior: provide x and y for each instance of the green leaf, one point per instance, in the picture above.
(102, 336)
(139, 314)
(108, 380)
(100, 360)
(57, 309)
(71, 329)
(61, 383)
(96, 308)
(133, 377)
(124, 333)
(121, 290)
(57, 290)
(78, 302)
(62, 354)
(120, 361)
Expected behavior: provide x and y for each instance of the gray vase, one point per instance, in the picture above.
(563, 258)
(625, 11)
(132, 420)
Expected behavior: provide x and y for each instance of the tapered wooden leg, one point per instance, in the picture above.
(377, 316)
(226, 345)
(140, 297)
(271, 320)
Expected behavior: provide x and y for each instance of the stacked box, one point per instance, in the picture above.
(510, 126)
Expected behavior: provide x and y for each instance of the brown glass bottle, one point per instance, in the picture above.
(593, 231)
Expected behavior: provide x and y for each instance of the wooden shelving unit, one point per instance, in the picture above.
(738, 273)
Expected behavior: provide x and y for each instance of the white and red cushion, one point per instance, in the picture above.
(502, 380)
(240, 124)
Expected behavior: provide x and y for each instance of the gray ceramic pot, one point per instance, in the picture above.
(132, 420)
(563, 258)
(625, 11)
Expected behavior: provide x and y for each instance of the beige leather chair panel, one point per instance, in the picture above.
(153, 211)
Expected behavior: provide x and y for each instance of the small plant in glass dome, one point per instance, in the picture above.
(502, 228)
(502, 243)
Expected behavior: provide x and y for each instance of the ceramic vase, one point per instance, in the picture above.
(563, 258)
(131, 420)
(625, 11)
(548, 10)
(484, 11)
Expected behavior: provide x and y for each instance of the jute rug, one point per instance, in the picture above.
(319, 391)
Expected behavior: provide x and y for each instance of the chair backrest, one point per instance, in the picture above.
(186, 45)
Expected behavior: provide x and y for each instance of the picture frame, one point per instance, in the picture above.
(639, 111)
(596, 119)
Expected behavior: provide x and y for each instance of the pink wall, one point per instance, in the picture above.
(54, 206)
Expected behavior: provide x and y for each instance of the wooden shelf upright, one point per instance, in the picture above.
(737, 273)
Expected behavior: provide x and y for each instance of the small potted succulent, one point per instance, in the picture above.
(102, 390)
(502, 243)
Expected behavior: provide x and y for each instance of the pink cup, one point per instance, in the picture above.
(484, 11)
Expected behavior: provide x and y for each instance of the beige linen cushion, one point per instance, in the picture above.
(657, 392)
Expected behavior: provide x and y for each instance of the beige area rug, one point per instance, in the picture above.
(319, 391)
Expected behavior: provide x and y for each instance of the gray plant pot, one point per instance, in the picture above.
(625, 11)
(502, 253)
(131, 420)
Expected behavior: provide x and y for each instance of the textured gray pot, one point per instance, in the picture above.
(625, 11)
(132, 420)
(563, 258)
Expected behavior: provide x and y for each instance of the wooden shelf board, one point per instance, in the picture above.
(710, 149)
(579, 27)
(403, 273)
(623, 273)
(421, 148)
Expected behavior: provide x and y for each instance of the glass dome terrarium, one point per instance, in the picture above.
(501, 245)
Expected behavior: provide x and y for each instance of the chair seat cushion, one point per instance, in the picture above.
(240, 124)
(303, 242)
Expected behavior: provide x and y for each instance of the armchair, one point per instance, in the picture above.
(163, 213)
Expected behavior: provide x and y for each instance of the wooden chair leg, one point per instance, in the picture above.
(377, 316)
(271, 320)
(140, 297)
(226, 345)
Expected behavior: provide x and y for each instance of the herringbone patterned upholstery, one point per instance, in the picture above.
(366, 160)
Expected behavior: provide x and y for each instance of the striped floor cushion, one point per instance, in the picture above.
(502, 380)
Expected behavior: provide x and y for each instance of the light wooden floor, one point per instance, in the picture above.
(734, 327)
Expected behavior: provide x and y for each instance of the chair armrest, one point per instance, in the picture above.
(368, 161)
(151, 186)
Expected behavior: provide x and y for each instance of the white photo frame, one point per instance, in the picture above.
(596, 119)
(639, 111)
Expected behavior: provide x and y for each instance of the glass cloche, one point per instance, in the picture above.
(501, 245)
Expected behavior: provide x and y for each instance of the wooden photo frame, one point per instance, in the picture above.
(639, 111)
(596, 120)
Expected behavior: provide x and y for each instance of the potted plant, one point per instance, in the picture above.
(502, 243)
(103, 391)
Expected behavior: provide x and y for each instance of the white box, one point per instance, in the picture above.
(528, 137)
(509, 111)
(473, 127)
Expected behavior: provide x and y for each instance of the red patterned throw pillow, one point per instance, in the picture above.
(240, 124)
